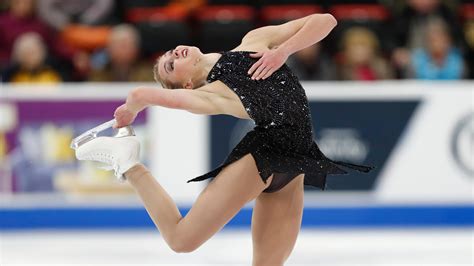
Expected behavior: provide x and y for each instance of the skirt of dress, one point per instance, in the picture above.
(284, 161)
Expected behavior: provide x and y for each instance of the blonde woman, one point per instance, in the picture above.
(361, 59)
(270, 164)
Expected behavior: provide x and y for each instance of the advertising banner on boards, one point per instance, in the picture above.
(35, 145)
(360, 132)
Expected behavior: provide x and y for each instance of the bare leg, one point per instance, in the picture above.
(225, 195)
(276, 221)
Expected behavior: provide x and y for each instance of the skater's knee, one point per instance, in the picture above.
(183, 244)
(183, 247)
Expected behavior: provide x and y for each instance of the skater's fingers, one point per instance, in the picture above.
(124, 119)
(264, 72)
(267, 73)
(255, 66)
(123, 116)
(115, 125)
(119, 120)
(259, 71)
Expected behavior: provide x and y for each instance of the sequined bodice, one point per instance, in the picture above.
(278, 100)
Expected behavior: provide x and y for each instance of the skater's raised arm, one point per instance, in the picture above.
(285, 39)
(294, 35)
(194, 101)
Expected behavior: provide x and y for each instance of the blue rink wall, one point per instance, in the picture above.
(342, 217)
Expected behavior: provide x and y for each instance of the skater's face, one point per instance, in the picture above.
(178, 67)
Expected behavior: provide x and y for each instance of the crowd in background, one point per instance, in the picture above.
(105, 40)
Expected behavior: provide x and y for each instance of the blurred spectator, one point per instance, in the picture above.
(4, 6)
(411, 23)
(29, 61)
(439, 59)
(360, 59)
(21, 19)
(61, 13)
(469, 36)
(123, 58)
(312, 64)
(82, 24)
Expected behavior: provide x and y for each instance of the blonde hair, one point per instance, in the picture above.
(360, 35)
(164, 83)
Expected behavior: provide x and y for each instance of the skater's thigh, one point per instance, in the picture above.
(237, 184)
(276, 221)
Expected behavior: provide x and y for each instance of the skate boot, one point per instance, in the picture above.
(118, 154)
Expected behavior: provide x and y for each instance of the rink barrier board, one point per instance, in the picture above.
(336, 217)
(400, 184)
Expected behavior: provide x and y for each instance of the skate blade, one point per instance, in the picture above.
(93, 133)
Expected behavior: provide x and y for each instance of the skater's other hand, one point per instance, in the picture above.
(269, 62)
(124, 116)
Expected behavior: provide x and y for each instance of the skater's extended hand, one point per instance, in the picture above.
(269, 62)
(124, 116)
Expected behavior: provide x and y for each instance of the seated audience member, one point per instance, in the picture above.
(311, 64)
(21, 19)
(439, 59)
(82, 24)
(61, 13)
(410, 24)
(360, 59)
(29, 62)
(123, 58)
(469, 36)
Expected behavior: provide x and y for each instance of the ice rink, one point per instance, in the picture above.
(416, 209)
(405, 246)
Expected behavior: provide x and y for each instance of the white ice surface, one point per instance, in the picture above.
(233, 247)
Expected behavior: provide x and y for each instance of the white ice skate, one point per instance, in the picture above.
(119, 152)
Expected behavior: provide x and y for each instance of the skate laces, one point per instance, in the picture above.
(108, 159)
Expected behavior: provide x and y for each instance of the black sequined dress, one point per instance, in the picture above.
(282, 140)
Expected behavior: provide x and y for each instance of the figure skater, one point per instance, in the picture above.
(277, 157)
